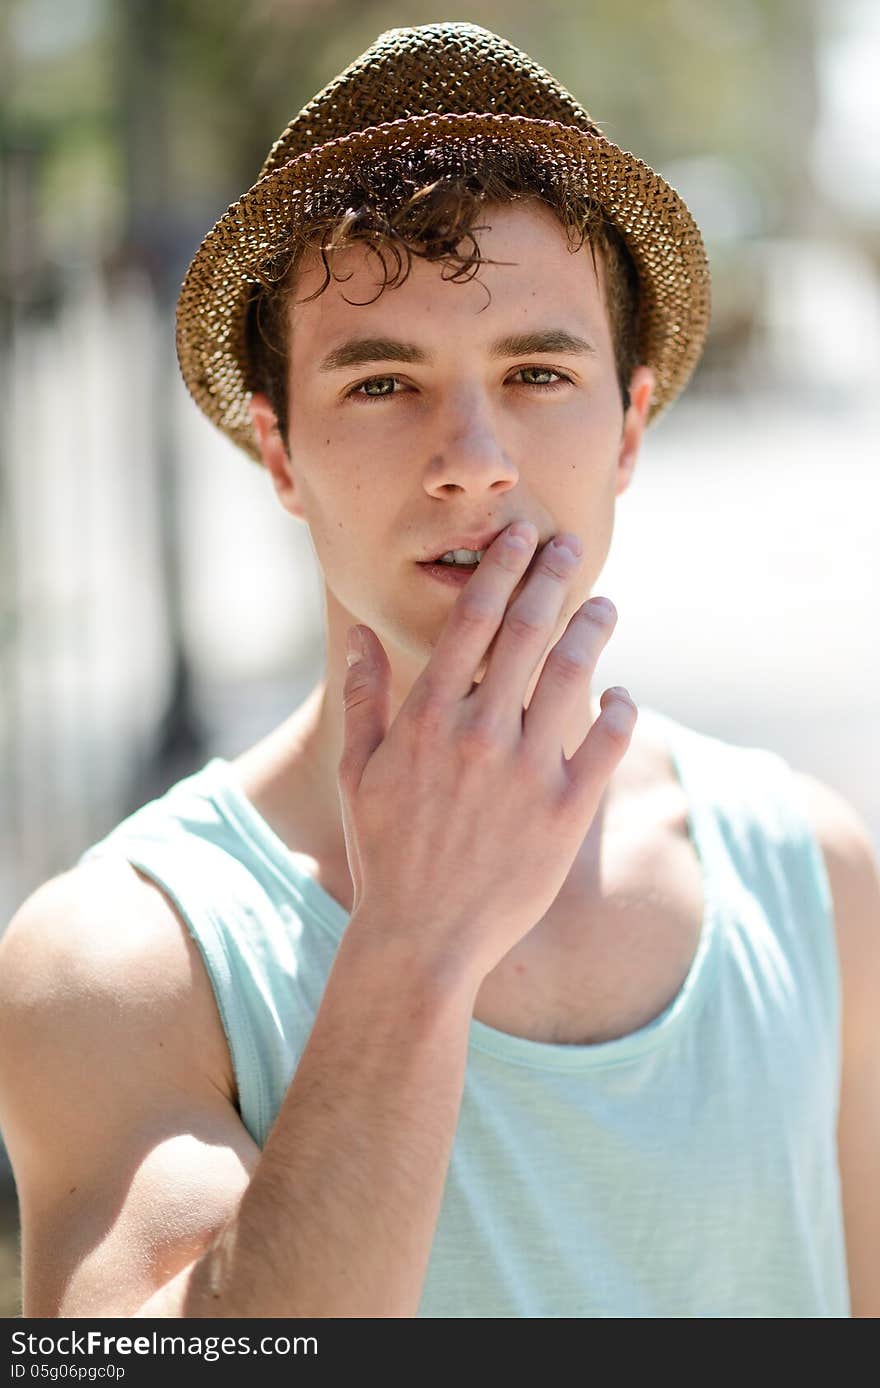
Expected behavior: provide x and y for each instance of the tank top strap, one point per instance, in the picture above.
(750, 819)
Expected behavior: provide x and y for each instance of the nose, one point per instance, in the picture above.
(471, 457)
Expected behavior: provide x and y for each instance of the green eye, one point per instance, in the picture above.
(540, 371)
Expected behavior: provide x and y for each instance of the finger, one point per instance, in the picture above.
(478, 613)
(366, 701)
(565, 678)
(529, 624)
(589, 769)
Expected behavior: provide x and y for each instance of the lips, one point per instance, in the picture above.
(480, 540)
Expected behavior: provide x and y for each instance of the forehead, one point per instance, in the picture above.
(540, 279)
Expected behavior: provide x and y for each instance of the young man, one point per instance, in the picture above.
(461, 993)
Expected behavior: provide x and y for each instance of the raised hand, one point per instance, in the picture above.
(463, 818)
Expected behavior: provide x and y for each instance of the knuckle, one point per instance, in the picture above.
(568, 665)
(427, 708)
(618, 722)
(355, 692)
(474, 612)
(358, 676)
(578, 801)
(533, 768)
(429, 717)
(511, 560)
(557, 566)
(481, 736)
(524, 623)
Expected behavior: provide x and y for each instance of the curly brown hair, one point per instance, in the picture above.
(401, 209)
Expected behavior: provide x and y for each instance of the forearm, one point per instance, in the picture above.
(339, 1216)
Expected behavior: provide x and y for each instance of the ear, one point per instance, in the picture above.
(275, 457)
(641, 390)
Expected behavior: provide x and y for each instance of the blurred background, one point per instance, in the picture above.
(745, 563)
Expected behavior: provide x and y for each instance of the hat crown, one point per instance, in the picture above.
(449, 92)
(446, 69)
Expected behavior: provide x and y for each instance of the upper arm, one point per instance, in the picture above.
(115, 1095)
(855, 889)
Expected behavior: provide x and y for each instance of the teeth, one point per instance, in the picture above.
(462, 556)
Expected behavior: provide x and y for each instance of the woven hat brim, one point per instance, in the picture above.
(660, 233)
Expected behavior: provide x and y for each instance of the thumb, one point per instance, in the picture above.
(366, 699)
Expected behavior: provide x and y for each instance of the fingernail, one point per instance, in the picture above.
(603, 608)
(571, 543)
(522, 530)
(354, 648)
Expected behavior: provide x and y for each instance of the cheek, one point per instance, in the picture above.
(588, 477)
(329, 471)
(589, 430)
(343, 447)
(341, 498)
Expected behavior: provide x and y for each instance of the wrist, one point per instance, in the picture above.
(410, 959)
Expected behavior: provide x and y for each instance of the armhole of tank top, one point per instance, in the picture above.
(210, 942)
(783, 784)
(818, 878)
(775, 777)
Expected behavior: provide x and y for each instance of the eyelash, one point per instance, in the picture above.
(355, 391)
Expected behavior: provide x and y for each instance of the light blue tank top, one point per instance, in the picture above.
(687, 1169)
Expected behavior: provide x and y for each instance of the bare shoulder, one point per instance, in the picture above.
(106, 932)
(840, 828)
(846, 843)
(854, 879)
(115, 1098)
(851, 862)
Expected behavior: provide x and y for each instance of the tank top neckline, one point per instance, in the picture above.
(221, 783)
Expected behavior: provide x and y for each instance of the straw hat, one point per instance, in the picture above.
(443, 92)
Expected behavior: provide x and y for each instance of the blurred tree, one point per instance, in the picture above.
(672, 79)
(669, 78)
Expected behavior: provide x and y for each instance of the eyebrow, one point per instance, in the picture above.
(360, 351)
